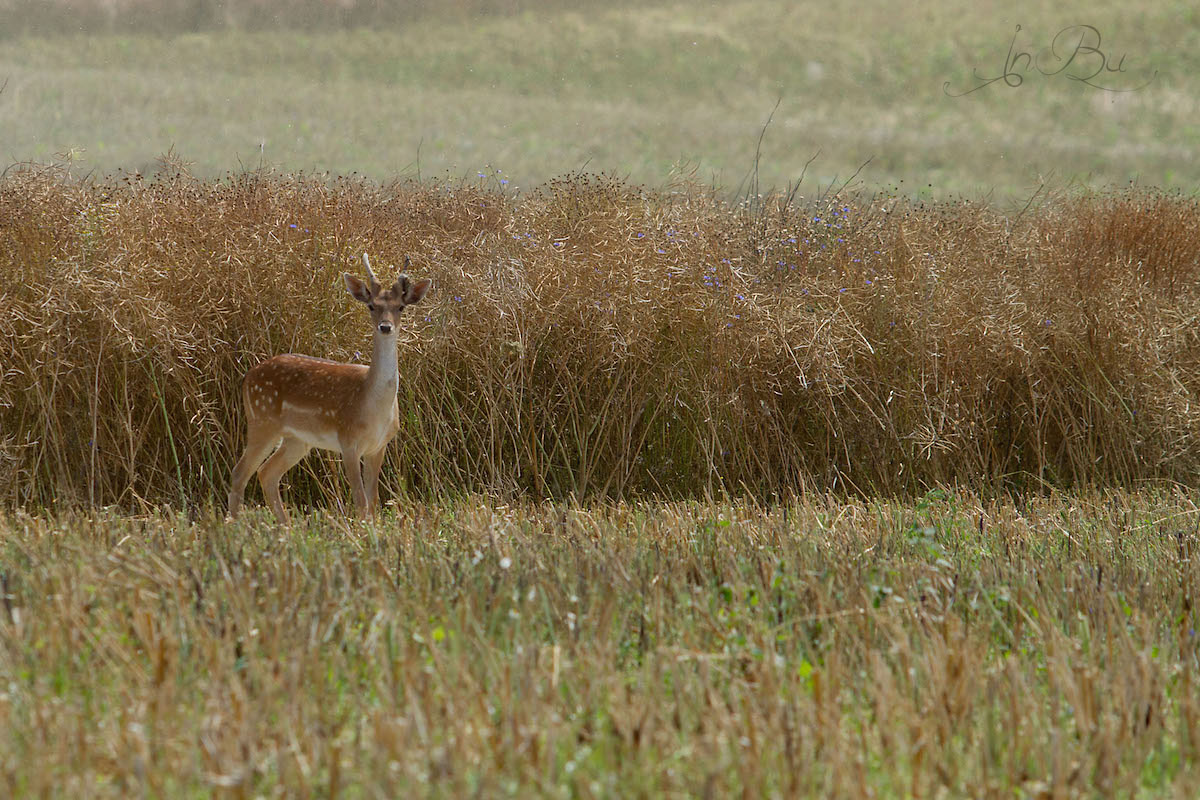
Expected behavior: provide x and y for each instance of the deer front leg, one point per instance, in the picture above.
(353, 461)
(372, 464)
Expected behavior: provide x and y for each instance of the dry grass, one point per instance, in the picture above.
(596, 339)
(826, 649)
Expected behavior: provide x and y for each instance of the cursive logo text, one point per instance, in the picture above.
(1074, 53)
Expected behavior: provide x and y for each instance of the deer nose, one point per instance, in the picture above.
(385, 327)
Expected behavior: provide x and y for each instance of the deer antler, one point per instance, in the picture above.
(374, 282)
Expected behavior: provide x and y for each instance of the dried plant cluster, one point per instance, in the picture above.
(824, 648)
(593, 338)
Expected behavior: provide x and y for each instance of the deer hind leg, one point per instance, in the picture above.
(287, 456)
(259, 443)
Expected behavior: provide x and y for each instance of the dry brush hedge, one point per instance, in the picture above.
(596, 338)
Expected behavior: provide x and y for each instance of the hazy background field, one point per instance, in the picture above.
(526, 91)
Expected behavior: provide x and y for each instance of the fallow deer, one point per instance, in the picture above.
(300, 402)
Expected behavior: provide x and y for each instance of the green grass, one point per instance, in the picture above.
(646, 92)
(942, 647)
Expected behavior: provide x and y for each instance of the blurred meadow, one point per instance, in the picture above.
(646, 91)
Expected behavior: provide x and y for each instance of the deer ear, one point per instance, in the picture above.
(357, 288)
(416, 291)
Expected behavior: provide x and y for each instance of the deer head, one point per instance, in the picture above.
(385, 305)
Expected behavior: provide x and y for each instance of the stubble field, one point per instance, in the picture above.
(821, 647)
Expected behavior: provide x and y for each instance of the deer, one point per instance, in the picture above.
(294, 403)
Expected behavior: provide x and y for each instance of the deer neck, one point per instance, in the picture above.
(383, 375)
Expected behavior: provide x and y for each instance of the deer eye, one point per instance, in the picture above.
(370, 306)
